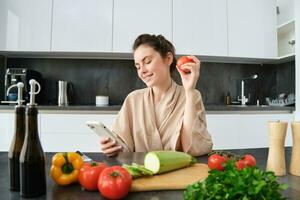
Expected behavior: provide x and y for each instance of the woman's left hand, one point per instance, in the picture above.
(189, 80)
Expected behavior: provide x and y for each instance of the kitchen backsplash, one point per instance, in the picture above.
(117, 78)
(2, 68)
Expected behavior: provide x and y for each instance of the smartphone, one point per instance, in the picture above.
(102, 131)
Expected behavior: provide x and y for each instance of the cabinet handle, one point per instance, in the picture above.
(292, 42)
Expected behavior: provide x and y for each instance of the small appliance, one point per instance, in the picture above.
(16, 75)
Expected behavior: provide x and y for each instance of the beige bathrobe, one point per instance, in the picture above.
(144, 127)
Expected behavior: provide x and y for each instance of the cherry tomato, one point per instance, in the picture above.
(183, 60)
(114, 182)
(240, 164)
(249, 160)
(216, 161)
(89, 174)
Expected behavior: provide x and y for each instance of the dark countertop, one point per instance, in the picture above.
(114, 109)
(74, 192)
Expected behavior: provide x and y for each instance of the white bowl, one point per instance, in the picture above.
(102, 100)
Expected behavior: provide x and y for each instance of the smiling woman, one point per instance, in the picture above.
(163, 116)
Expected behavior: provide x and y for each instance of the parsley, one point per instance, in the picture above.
(250, 183)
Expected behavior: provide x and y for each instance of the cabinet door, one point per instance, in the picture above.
(224, 131)
(240, 131)
(82, 25)
(6, 130)
(134, 17)
(252, 28)
(25, 25)
(254, 132)
(286, 11)
(200, 27)
(68, 132)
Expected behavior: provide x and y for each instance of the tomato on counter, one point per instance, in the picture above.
(249, 160)
(216, 161)
(89, 174)
(114, 182)
(183, 60)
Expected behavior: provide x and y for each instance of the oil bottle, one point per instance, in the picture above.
(18, 139)
(32, 158)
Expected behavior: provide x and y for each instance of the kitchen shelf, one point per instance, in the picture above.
(286, 58)
(285, 27)
(286, 35)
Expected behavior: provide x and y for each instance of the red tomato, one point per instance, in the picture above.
(216, 161)
(183, 60)
(89, 174)
(249, 160)
(114, 182)
(240, 164)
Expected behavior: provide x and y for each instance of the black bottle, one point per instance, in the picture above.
(32, 158)
(17, 142)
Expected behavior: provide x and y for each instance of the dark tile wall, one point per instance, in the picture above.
(117, 78)
(2, 68)
(286, 78)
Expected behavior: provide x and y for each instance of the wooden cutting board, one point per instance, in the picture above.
(175, 180)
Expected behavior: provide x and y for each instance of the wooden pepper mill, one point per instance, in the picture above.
(295, 159)
(276, 157)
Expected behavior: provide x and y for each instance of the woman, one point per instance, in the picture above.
(163, 116)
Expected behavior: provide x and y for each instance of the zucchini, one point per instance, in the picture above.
(164, 161)
(132, 171)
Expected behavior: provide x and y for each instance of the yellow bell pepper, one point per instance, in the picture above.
(65, 167)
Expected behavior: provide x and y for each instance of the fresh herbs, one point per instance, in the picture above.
(250, 183)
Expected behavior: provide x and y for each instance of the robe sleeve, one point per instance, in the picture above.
(123, 124)
(201, 142)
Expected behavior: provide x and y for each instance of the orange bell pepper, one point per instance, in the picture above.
(65, 167)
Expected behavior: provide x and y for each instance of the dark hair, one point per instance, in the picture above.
(159, 43)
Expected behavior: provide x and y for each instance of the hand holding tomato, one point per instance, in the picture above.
(89, 174)
(114, 182)
(182, 61)
(189, 70)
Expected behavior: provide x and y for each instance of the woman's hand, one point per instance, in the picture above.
(110, 147)
(189, 80)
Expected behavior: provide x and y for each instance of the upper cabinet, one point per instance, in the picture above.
(25, 25)
(134, 17)
(212, 29)
(82, 25)
(285, 11)
(252, 28)
(200, 27)
(286, 29)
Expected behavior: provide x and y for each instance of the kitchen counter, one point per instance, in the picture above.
(74, 192)
(210, 109)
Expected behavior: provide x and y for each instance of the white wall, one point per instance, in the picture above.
(297, 53)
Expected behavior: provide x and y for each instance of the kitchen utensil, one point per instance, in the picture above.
(65, 93)
(175, 180)
(276, 156)
(295, 158)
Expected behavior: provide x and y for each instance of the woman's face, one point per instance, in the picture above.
(152, 69)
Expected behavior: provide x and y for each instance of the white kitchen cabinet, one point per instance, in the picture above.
(82, 25)
(200, 27)
(134, 17)
(252, 29)
(25, 25)
(239, 131)
(286, 11)
(286, 29)
(6, 130)
(68, 132)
